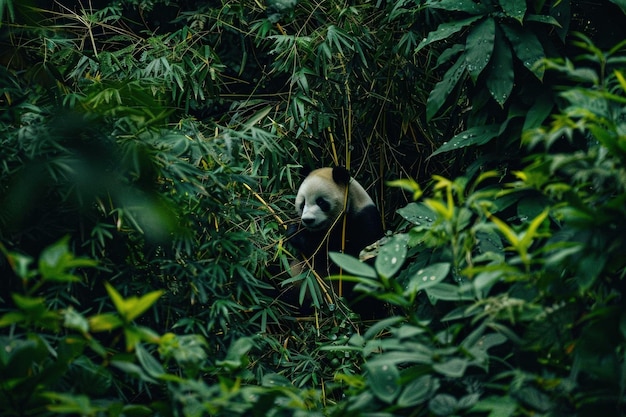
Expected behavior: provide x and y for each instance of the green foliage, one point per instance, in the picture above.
(148, 156)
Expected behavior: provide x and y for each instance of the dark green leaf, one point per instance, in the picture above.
(440, 94)
(501, 406)
(383, 381)
(514, 8)
(454, 368)
(417, 391)
(448, 292)
(418, 213)
(428, 277)
(468, 6)
(443, 405)
(445, 30)
(527, 48)
(478, 135)
(479, 47)
(500, 75)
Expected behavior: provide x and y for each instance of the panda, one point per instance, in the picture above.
(327, 198)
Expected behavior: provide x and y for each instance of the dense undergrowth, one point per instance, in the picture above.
(150, 151)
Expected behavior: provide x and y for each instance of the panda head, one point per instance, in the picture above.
(322, 196)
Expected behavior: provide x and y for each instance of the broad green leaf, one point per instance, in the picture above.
(443, 405)
(500, 75)
(417, 213)
(496, 406)
(479, 47)
(477, 135)
(454, 368)
(514, 8)
(445, 30)
(417, 391)
(468, 6)
(275, 380)
(442, 90)
(428, 277)
(448, 292)
(383, 381)
(391, 256)
(527, 48)
(353, 265)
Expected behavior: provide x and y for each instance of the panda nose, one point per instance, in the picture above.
(308, 221)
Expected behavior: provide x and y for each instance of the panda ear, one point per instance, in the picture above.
(341, 175)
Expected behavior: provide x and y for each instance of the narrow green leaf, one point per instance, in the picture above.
(353, 265)
(514, 8)
(148, 362)
(445, 30)
(479, 47)
(527, 48)
(500, 75)
(444, 88)
(478, 135)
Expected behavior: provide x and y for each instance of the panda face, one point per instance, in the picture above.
(319, 201)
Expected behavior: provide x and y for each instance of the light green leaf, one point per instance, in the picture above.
(104, 322)
(479, 47)
(500, 76)
(527, 48)
(477, 135)
(445, 30)
(132, 307)
(514, 8)
(353, 265)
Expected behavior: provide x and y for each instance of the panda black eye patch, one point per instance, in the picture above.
(323, 204)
